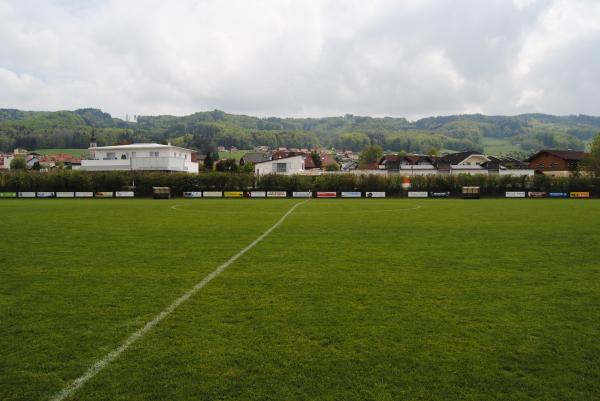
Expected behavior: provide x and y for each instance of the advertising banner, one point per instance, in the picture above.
(258, 194)
(415, 194)
(103, 195)
(326, 194)
(558, 195)
(351, 194)
(515, 194)
(439, 194)
(65, 194)
(580, 194)
(84, 194)
(276, 194)
(375, 195)
(26, 194)
(212, 194)
(233, 194)
(124, 194)
(45, 195)
(8, 194)
(301, 194)
(192, 194)
(537, 194)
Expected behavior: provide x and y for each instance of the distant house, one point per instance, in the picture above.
(284, 165)
(5, 160)
(31, 160)
(409, 165)
(254, 157)
(556, 163)
(349, 165)
(328, 160)
(20, 152)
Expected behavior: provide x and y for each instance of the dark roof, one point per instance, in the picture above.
(455, 158)
(281, 158)
(563, 154)
(255, 157)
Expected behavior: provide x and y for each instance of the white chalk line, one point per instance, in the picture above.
(174, 207)
(114, 354)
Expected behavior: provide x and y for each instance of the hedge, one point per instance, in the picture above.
(491, 185)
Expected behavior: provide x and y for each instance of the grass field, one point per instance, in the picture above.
(372, 299)
(73, 152)
(498, 146)
(237, 155)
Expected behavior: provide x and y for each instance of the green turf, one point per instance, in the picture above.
(346, 300)
(72, 152)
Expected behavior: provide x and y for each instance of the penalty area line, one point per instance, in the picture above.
(114, 354)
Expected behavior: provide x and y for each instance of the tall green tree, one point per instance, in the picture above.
(18, 163)
(591, 162)
(370, 154)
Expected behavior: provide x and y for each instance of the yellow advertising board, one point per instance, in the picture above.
(580, 194)
(233, 194)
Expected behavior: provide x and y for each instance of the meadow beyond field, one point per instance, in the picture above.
(356, 299)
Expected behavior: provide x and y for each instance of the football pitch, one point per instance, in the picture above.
(343, 299)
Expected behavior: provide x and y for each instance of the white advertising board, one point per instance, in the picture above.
(375, 195)
(212, 194)
(192, 194)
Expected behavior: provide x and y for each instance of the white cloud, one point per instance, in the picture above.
(291, 57)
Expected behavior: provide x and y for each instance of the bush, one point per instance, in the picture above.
(76, 180)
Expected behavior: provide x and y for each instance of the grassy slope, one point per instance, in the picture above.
(233, 155)
(497, 146)
(353, 300)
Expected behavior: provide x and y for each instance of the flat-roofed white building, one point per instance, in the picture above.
(140, 157)
(285, 165)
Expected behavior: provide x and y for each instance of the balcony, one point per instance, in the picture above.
(141, 164)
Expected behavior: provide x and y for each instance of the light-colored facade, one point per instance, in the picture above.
(5, 160)
(286, 165)
(140, 157)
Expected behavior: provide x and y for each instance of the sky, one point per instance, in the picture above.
(401, 58)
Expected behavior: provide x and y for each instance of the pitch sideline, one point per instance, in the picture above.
(114, 354)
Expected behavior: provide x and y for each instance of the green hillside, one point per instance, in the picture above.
(204, 131)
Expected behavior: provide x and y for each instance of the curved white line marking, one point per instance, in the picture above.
(114, 354)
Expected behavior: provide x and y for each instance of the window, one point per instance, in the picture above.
(280, 167)
(153, 154)
(110, 156)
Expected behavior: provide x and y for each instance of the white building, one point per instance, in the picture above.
(140, 157)
(5, 160)
(286, 165)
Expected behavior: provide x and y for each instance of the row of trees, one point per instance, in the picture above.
(69, 180)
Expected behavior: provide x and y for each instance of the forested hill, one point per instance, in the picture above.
(521, 134)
